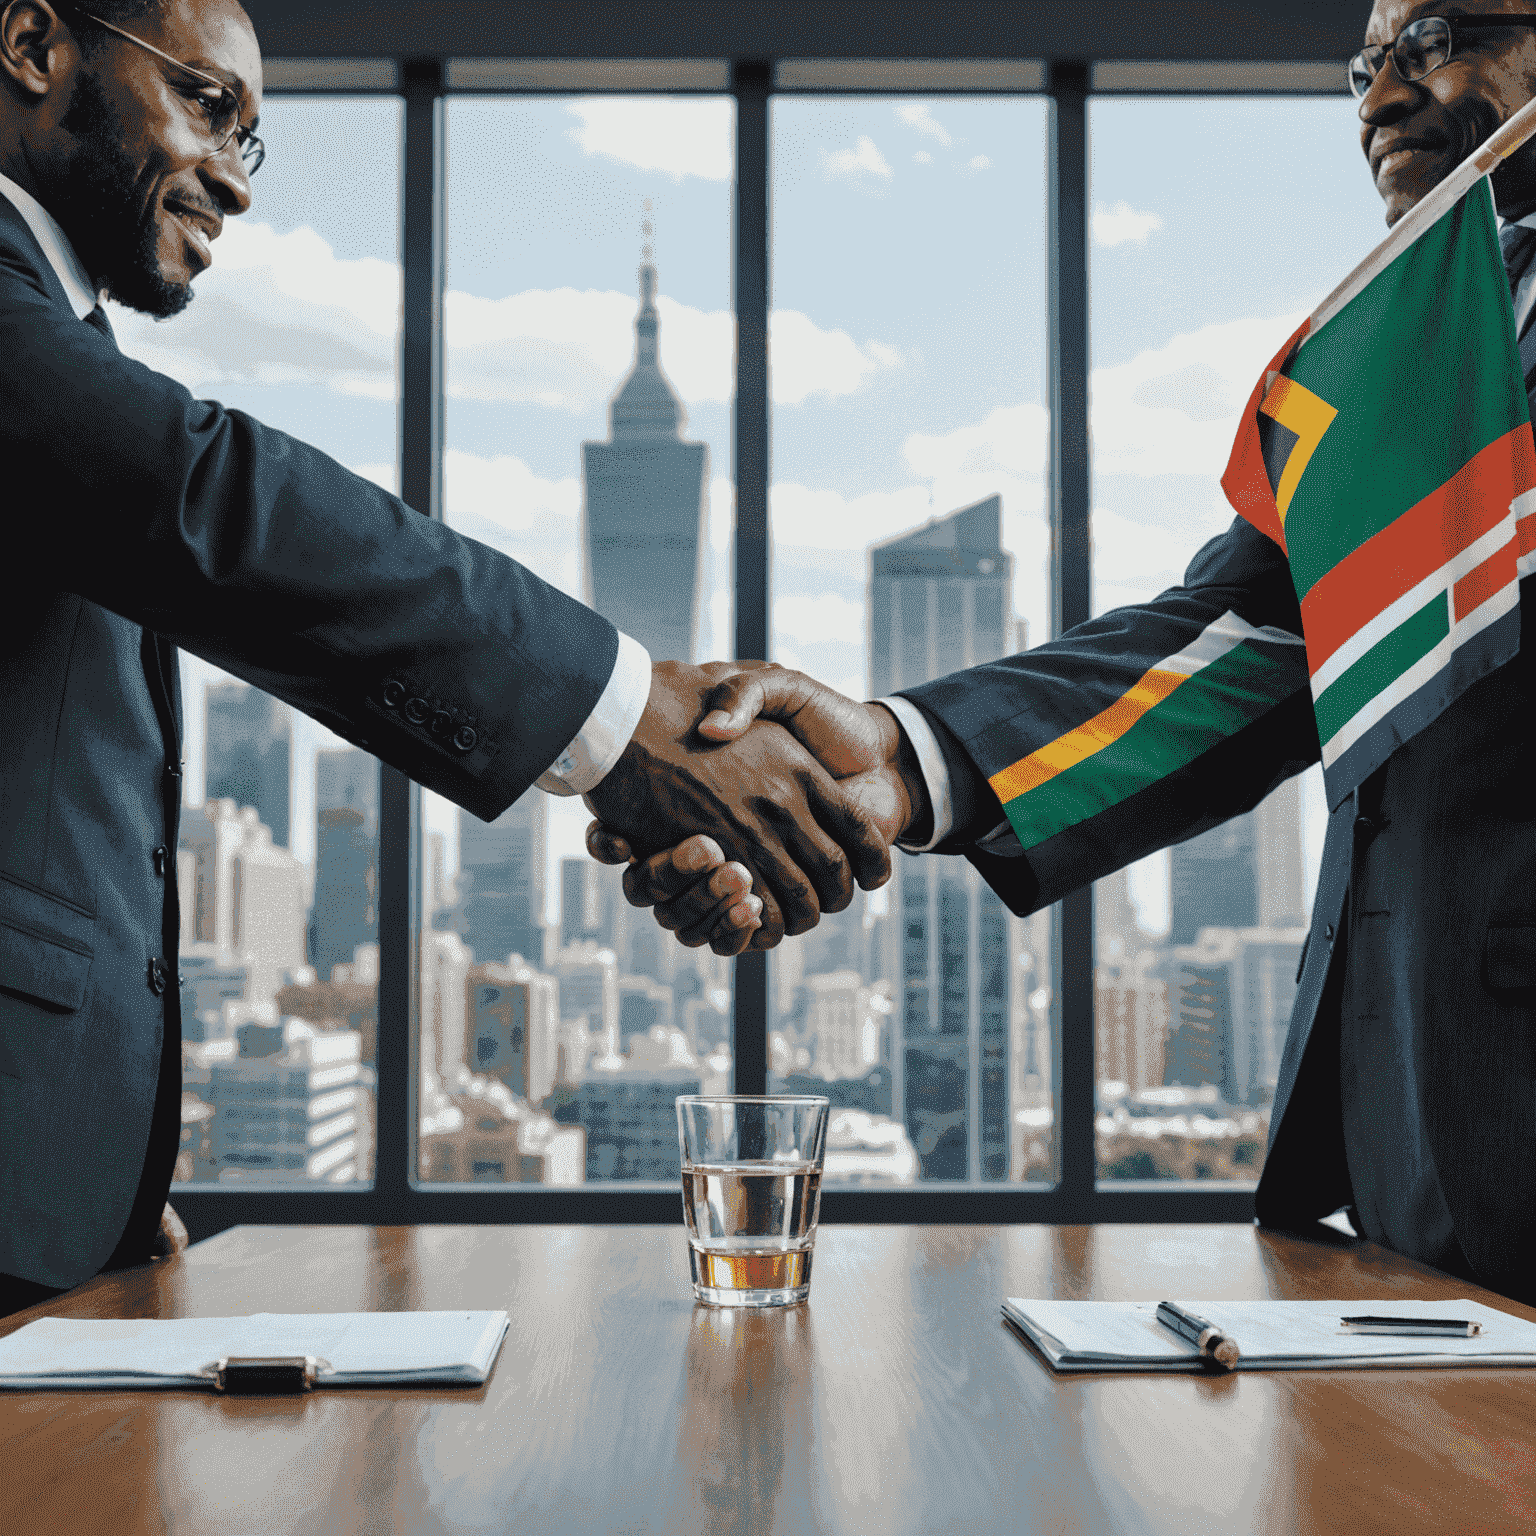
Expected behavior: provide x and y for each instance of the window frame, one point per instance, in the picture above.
(424, 87)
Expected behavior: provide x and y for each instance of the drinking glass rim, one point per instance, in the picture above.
(752, 1098)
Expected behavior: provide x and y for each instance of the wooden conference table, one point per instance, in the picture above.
(895, 1401)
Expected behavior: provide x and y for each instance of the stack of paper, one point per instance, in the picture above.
(362, 1348)
(1272, 1335)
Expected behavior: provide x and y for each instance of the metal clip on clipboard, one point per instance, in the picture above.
(264, 1375)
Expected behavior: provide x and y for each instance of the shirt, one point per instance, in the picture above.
(607, 730)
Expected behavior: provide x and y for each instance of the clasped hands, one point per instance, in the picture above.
(752, 799)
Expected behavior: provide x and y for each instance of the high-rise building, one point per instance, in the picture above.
(644, 515)
(1245, 873)
(1230, 996)
(246, 906)
(348, 776)
(592, 904)
(501, 881)
(445, 965)
(1130, 1028)
(643, 1004)
(939, 601)
(344, 912)
(588, 978)
(513, 1028)
(249, 747)
(1214, 880)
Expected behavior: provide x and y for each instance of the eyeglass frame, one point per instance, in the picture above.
(244, 138)
(1389, 50)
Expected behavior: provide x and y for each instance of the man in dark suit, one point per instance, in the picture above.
(1407, 1089)
(142, 519)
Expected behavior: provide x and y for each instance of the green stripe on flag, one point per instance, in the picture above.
(1383, 664)
(1421, 368)
(1216, 702)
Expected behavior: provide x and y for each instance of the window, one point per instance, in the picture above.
(297, 322)
(911, 539)
(929, 257)
(1197, 948)
(589, 377)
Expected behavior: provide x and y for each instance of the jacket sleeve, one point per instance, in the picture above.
(1134, 731)
(269, 559)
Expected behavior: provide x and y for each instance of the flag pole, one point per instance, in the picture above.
(1428, 211)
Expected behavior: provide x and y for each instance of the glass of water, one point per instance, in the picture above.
(751, 1191)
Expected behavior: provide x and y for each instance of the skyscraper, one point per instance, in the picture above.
(940, 600)
(643, 521)
(501, 881)
(345, 909)
(248, 753)
(1214, 880)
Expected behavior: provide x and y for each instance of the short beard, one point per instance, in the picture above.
(97, 204)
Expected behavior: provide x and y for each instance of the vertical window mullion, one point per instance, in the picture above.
(421, 437)
(1068, 254)
(749, 84)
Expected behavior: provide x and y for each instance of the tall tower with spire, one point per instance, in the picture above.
(643, 520)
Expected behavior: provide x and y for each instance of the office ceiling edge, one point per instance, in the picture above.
(1287, 31)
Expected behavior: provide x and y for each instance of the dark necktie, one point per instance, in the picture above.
(97, 320)
(1517, 242)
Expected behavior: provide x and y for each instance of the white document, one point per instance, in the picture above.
(1272, 1335)
(361, 1348)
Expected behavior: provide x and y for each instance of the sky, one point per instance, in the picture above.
(907, 340)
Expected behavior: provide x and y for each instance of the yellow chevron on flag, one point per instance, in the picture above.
(1305, 418)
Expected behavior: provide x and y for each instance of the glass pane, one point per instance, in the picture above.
(910, 539)
(590, 370)
(1197, 947)
(296, 322)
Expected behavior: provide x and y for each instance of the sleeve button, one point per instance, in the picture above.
(465, 738)
(417, 710)
(394, 693)
(442, 723)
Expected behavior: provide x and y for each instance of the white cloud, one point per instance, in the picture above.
(285, 310)
(828, 616)
(979, 163)
(806, 360)
(501, 502)
(864, 159)
(1122, 223)
(1011, 439)
(916, 114)
(1174, 410)
(385, 476)
(278, 309)
(922, 157)
(676, 137)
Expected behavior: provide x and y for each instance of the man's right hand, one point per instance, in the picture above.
(759, 794)
(860, 744)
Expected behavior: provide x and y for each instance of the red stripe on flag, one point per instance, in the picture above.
(1525, 533)
(1477, 586)
(1245, 481)
(1417, 544)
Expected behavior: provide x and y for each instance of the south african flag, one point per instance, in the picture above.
(1391, 458)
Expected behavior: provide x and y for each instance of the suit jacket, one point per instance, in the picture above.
(142, 519)
(1415, 1018)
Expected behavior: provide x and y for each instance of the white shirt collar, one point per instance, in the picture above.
(1528, 222)
(56, 247)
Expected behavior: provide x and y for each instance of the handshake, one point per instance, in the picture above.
(751, 799)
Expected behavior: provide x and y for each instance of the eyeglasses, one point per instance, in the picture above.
(1421, 46)
(217, 103)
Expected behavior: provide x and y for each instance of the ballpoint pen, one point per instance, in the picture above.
(1414, 1327)
(1212, 1343)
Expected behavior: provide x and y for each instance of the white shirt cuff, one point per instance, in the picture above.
(931, 761)
(601, 741)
